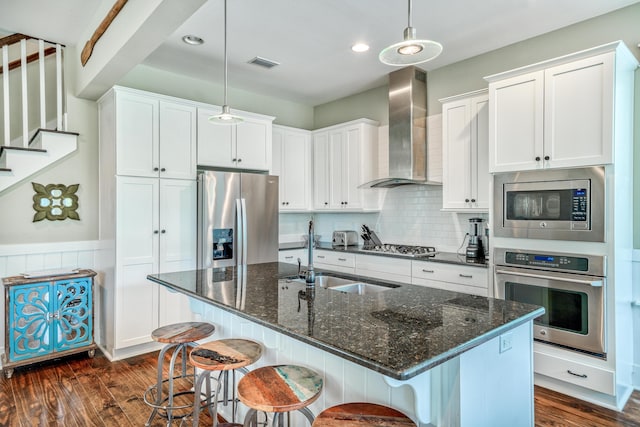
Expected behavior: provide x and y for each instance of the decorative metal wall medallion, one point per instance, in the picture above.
(55, 202)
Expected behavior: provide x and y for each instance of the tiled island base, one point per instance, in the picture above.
(483, 386)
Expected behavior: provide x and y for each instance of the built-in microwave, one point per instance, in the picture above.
(566, 204)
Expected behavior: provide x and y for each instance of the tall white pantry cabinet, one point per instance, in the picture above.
(147, 213)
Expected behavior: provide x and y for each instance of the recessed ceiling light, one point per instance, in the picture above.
(360, 47)
(192, 40)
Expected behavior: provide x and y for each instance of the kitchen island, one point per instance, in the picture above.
(443, 358)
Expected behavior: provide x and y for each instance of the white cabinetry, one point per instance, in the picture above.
(290, 256)
(154, 137)
(246, 145)
(155, 234)
(342, 262)
(452, 277)
(385, 268)
(345, 156)
(556, 114)
(465, 139)
(292, 163)
(147, 220)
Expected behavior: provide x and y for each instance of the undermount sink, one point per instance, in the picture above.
(361, 288)
(345, 285)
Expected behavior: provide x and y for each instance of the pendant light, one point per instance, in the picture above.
(225, 118)
(410, 51)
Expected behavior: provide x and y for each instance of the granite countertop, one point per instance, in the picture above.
(399, 332)
(445, 257)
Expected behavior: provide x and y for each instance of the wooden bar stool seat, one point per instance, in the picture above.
(223, 356)
(178, 337)
(279, 389)
(362, 415)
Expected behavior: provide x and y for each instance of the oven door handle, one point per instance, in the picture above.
(594, 283)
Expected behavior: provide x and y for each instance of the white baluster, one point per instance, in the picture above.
(25, 95)
(59, 87)
(43, 104)
(5, 91)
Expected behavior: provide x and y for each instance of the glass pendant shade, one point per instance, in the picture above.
(410, 51)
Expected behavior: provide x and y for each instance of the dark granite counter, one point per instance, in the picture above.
(399, 332)
(445, 257)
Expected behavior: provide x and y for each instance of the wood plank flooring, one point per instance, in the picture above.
(78, 391)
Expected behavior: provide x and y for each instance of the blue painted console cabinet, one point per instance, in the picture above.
(47, 317)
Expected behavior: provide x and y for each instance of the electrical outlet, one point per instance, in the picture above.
(506, 342)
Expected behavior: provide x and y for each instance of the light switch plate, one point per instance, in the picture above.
(506, 342)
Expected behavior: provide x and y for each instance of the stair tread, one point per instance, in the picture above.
(37, 150)
(64, 132)
(5, 170)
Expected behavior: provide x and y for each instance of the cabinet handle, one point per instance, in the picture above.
(287, 203)
(537, 158)
(163, 170)
(346, 203)
(234, 160)
(342, 259)
(288, 257)
(320, 256)
(155, 231)
(576, 375)
(546, 157)
(282, 203)
(163, 231)
(155, 169)
(466, 200)
(466, 276)
(427, 271)
(239, 160)
(473, 200)
(326, 203)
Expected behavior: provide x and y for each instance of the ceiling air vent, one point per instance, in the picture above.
(263, 62)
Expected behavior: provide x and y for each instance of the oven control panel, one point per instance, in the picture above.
(556, 262)
(579, 205)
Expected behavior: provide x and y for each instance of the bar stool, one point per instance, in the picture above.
(362, 415)
(222, 356)
(178, 337)
(279, 389)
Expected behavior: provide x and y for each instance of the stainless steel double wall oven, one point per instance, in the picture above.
(558, 206)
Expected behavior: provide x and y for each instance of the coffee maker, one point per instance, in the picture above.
(476, 230)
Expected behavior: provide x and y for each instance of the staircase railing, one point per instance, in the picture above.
(44, 48)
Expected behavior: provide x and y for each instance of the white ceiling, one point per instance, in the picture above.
(312, 38)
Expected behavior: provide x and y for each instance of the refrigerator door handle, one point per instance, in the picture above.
(239, 233)
(244, 231)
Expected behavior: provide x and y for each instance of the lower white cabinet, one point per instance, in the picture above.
(385, 268)
(334, 260)
(155, 233)
(290, 256)
(451, 277)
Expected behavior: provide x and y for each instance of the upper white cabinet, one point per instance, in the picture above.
(154, 137)
(292, 163)
(344, 157)
(465, 147)
(555, 114)
(246, 145)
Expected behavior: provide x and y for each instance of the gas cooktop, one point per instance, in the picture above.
(404, 250)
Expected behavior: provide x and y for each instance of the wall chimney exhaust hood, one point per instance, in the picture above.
(407, 131)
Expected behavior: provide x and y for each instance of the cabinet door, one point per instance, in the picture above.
(337, 164)
(177, 141)
(296, 171)
(321, 170)
(137, 239)
(516, 123)
(579, 112)
(277, 166)
(253, 140)
(456, 150)
(137, 146)
(351, 177)
(216, 143)
(29, 321)
(73, 303)
(480, 153)
(177, 244)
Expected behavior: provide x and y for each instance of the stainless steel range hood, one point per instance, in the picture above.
(408, 155)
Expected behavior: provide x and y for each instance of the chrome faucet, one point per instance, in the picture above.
(310, 276)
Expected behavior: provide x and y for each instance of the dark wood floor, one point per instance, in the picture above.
(78, 391)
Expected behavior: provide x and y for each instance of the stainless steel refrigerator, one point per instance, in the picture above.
(237, 218)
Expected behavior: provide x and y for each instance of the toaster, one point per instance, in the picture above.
(345, 238)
